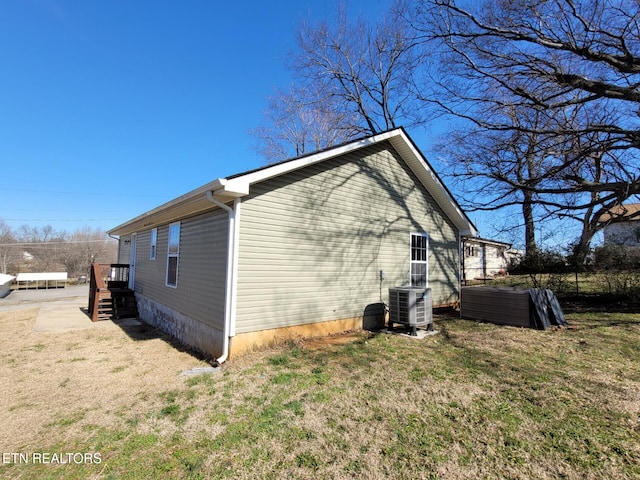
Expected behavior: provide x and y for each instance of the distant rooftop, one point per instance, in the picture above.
(629, 212)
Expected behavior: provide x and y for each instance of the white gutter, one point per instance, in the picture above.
(232, 270)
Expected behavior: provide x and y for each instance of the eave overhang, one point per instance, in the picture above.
(237, 186)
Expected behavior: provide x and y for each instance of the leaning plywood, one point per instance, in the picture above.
(501, 305)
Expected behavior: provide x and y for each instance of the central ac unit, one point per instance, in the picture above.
(411, 306)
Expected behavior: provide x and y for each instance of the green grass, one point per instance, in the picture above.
(474, 401)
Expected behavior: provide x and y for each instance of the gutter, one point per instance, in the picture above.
(232, 271)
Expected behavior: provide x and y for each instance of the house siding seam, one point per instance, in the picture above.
(313, 241)
(200, 292)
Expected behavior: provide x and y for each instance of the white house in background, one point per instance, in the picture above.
(623, 225)
(299, 248)
(483, 258)
(5, 284)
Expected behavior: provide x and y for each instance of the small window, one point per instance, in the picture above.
(173, 254)
(154, 241)
(419, 259)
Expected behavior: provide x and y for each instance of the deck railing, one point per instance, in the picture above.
(104, 277)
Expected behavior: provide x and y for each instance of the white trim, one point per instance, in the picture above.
(175, 255)
(153, 247)
(227, 189)
(133, 259)
(231, 282)
(234, 267)
(243, 181)
(419, 262)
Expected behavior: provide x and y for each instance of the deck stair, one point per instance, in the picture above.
(109, 295)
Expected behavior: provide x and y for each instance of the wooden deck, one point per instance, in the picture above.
(109, 295)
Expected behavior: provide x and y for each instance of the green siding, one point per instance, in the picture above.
(201, 270)
(313, 241)
(124, 247)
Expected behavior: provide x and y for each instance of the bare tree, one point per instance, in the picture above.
(7, 249)
(300, 121)
(84, 247)
(352, 78)
(576, 63)
(45, 249)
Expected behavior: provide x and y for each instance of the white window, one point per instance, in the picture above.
(173, 254)
(154, 241)
(419, 259)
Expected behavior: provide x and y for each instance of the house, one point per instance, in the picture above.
(484, 258)
(299, 248)
(622, 225)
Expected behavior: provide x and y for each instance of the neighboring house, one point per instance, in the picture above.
(299, 248)
(5, 284)
(484, 258)
(622, 225)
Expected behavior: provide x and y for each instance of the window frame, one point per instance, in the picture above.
(173, 252)
(153, 248)
(423, 260)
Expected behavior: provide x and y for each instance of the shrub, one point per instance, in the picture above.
(540, 261)
(621, 266)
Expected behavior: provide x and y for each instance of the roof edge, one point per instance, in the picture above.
(237, 186)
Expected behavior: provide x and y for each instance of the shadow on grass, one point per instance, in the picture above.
(140, 331)
(598, 303)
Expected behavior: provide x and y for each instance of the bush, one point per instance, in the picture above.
(545, 268)
(617, 257)
(622, 268)
(541, 261)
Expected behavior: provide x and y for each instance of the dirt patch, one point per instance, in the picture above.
(80, 380)
(338, 339)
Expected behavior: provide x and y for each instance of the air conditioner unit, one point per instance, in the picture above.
(411, 306)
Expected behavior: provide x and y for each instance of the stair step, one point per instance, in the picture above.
(116, 303)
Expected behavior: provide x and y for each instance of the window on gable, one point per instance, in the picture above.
(173, 255)
(419, 263)
(154, 241)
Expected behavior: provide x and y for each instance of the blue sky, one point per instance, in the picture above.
(110, 108)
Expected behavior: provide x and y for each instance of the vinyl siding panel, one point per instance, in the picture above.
(313, 241)
(494, 260)
(124, 247)
(201, 268)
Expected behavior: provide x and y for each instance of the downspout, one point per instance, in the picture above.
(462, 274)
(461, 254)
(232, 271)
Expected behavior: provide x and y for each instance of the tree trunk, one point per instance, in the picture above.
(582, 248)
(529, 225)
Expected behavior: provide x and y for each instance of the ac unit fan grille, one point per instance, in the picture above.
(410, 306)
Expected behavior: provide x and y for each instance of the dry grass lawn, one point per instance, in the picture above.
(79, 378)
(474, 401)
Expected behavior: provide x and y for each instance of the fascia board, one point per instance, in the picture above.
(486, 241)
(189, 203)
(229, 189)
(416, 161)
(407, 150)
(290, 166)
